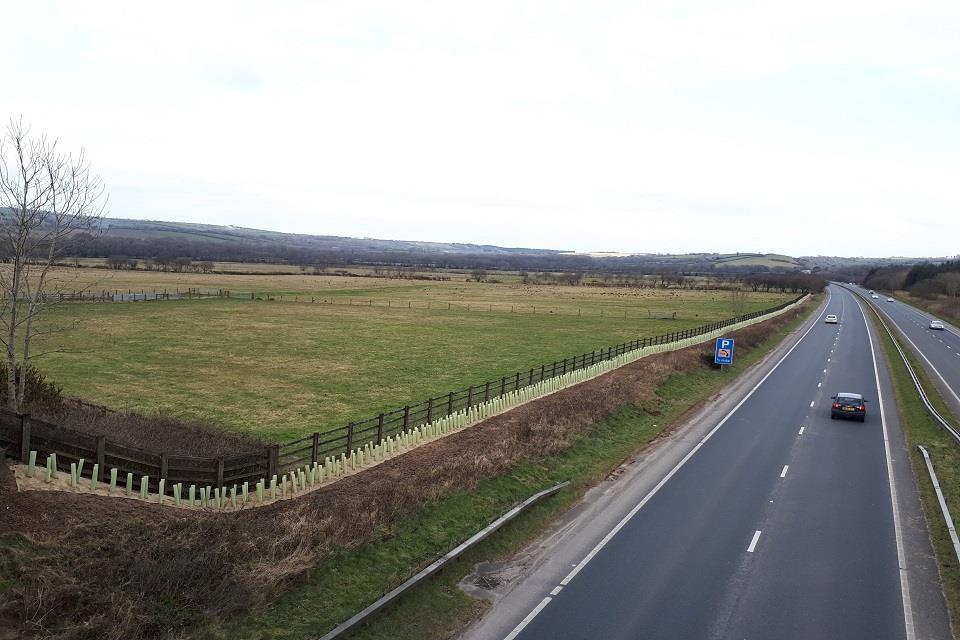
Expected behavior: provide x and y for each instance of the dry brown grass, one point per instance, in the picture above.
(107, 568)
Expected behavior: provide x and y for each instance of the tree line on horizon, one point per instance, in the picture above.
(927, 280)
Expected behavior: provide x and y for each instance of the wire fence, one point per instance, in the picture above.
(194, 293)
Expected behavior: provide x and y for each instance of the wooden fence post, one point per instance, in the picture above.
(486, 391)
(350, 437)
(503, 385)
(25, 438)
(380, 428)
(273, 460)
(316, 444)
(450, 403)
(164, 466)
(469, 397)
(406, 417)
(516, 381)
(429, 410)
(219, 472)
(101, 451)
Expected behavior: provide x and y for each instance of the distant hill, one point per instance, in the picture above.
(192, 232)
(163, 240)
(741, 260)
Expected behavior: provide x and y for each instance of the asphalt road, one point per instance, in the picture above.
(776, 522)
(939, 350)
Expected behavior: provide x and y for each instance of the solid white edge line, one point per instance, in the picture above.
(753, 543)
(606, 539)
(530, 616)
(783, 474)
(901, 556)
(556, 591)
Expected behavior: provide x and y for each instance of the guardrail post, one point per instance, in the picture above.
(316, 445)
(273, 460)
(25, 438)
(101, 451)
(163, 466)
(380, 428)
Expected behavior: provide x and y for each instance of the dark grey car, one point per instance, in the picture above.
(848, 405)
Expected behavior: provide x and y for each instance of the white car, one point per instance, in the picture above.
(889, 299)
(874, 296)
(830, 319)
(936, 325)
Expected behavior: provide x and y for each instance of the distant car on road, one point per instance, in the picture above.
(874, 296)
(830, 319)
(889, 299)
(936, 325)
(848, 405)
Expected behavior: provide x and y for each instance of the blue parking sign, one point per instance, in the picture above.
(724, 351)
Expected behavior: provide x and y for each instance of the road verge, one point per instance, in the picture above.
(921, 428)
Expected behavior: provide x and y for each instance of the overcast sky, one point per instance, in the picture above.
(815, 127)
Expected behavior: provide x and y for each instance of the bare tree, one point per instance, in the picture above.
(49, 197)
(950, 282)
(738, 301)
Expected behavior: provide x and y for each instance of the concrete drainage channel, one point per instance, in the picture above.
(344, 629)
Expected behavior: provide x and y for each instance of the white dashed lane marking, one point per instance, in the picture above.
(753, 543)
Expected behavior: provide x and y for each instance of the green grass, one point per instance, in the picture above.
(944, 452)
(278, 370)
(351, 579)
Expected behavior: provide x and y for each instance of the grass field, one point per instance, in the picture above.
(263, 282)
(278, 370)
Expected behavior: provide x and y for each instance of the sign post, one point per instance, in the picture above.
(723, 354)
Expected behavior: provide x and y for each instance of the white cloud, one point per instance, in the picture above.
(578, 125)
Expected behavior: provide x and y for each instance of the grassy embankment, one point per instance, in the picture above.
(276, 370)
(352, 578)
(922, 429)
